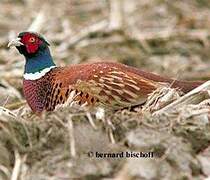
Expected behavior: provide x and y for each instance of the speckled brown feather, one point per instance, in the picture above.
(109, 84)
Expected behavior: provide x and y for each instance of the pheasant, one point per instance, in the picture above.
(113, 85)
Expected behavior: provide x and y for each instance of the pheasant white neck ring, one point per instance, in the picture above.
(37, 75)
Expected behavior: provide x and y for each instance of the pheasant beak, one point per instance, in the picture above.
(15, 42)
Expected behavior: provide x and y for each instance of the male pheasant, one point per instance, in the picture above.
(114, 85)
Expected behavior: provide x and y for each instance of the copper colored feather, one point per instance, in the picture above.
(108, 84)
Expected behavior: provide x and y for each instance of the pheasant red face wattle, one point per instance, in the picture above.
(31, 42)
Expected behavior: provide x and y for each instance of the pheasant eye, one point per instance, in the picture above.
(32, 39)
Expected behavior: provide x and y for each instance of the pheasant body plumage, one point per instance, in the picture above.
(114, 85)
(107, 84)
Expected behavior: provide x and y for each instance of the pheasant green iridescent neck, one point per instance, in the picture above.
(39, 62)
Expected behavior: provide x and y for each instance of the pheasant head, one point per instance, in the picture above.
(36, 52)
(29, 43)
